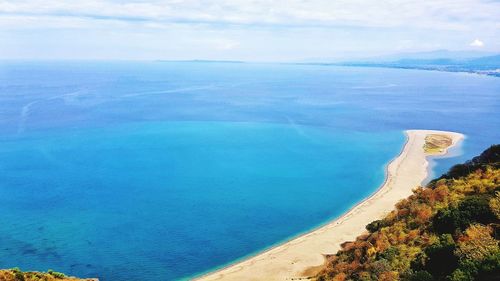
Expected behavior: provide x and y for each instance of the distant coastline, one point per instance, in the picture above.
(486, 65)
(299, 257)
(492, 72)
(442, 65)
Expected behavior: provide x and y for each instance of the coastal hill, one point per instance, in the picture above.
(448, 230)
(489, 65)
(16, 274)
(441, 60)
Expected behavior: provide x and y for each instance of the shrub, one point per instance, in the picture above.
(495, 204)
(18, 274)
(58, 275)
(474, 209)
(459, 275)
(477, 243)
(389, 254)
(441, 259)
(375, 226)
(421, 275)
(489, 268)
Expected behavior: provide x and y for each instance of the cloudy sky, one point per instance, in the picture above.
(257, 30)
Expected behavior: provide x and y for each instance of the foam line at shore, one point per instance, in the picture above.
(292, 259)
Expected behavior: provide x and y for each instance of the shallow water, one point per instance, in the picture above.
(134, 171)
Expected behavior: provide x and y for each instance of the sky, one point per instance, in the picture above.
(250, 30)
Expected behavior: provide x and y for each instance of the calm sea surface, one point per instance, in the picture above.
(163, 170)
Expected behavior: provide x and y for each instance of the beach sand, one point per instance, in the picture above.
(300, 257)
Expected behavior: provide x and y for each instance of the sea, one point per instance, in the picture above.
(157, 170)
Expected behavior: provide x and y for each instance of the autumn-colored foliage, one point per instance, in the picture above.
(16, 274)
(476, 243)
(495, 204)
(448, 230)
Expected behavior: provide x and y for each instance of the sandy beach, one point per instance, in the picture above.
(296, 259)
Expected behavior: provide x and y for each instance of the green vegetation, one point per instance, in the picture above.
(15, 274)
(435, 143)
(56, 274)
(448, 230)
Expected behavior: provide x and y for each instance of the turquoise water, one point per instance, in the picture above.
(138, 171)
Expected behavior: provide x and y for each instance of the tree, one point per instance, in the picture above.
(459, 275)
(421, 275)
(495, 204)
(441, 259)
(477, 243)
(375, 225)
(474, 209)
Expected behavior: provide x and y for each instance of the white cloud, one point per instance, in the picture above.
(439, 14)
(477, 43)
(241, 29)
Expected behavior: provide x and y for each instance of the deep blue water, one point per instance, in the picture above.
(155, 170)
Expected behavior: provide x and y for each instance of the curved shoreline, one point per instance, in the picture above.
(236, 263)
(292, 258)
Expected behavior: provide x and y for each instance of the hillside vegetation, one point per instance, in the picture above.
(16, 274)
(448, 230)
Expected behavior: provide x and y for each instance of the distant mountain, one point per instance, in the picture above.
(490, 61)
(437, 54)
(437, 60)
(429, 55)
